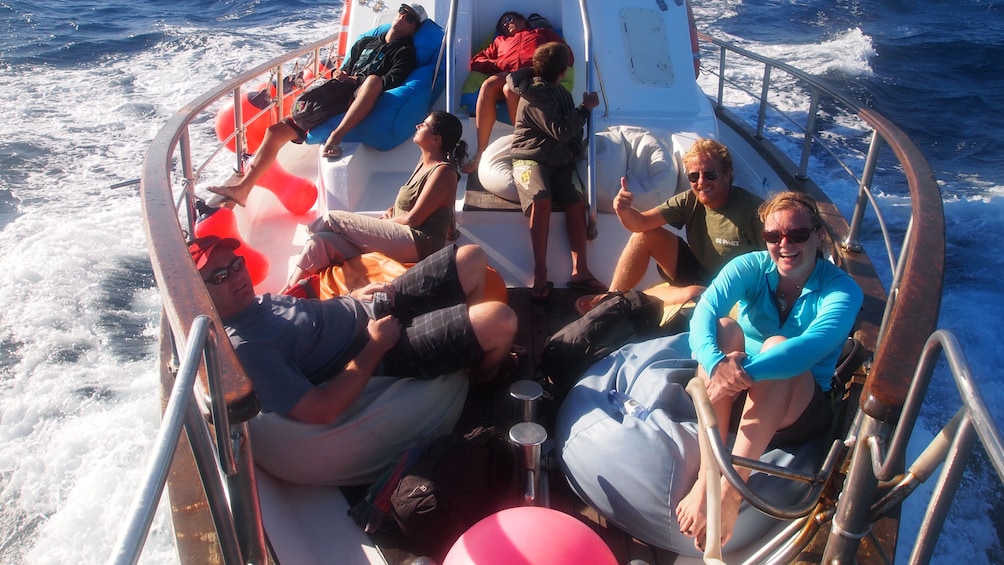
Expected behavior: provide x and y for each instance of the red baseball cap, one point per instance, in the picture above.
(203, 247)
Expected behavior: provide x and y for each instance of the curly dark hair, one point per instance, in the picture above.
(550, 60)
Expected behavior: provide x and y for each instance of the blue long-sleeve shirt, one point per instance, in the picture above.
(819, 322)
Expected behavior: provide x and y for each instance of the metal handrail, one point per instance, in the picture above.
(818, 87)
(130, 544)
(953, 446)
(591, 198)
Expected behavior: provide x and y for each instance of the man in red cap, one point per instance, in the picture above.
(326, 418)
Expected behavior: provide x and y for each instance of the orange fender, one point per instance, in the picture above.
(223, 223)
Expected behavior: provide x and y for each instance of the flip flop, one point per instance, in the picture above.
(541, 293)
(587, 285)
(332, 152)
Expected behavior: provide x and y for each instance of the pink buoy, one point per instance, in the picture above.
(529, 535)
(254, 130)
(222, 222)
(296, 193)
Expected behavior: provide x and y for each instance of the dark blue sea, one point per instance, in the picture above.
(86, 84)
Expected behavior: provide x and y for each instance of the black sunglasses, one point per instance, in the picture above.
(223, 275)
(797, 235)
(510, 19)
(708, 175)
(408, 16)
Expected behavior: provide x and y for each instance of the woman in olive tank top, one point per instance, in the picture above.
(419, 222)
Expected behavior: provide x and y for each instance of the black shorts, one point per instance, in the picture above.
(319, 103)
(814, 421)
(437, 335)
(688, 270)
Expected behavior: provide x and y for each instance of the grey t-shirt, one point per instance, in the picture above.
(288, 345)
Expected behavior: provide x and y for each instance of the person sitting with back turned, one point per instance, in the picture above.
(720, 221)
(375, 64)
(546, 141)
(776, 360)
(326, 419)
(511, 50)
(416, 226)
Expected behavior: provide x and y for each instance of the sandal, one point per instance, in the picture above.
(541, 293)
(587, 285)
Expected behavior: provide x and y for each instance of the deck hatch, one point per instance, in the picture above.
(647, 46)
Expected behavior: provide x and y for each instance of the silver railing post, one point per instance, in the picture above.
(240, 132)
(587, 35)
(761, 117)
(810, 131)
(130, 543)
(451, 79)
(867, 175)
(849, 522)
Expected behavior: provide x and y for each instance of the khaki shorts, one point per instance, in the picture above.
(535, 181)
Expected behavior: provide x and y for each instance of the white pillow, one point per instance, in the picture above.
(651, 167)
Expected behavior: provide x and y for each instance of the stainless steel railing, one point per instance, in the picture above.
(180, 415)
(951, 449)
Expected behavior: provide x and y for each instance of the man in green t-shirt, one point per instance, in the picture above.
(720, 221)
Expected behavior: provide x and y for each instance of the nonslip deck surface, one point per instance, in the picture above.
(492, 405)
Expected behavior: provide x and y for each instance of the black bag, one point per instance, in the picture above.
(620, 318)
(537, 21)
(322, 101)
(456, 481)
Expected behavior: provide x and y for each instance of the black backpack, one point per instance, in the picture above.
(620, 318)
(456, 481)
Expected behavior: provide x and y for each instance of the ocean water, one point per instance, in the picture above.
(87, 84)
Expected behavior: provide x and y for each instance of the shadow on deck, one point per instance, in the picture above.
(491, 405)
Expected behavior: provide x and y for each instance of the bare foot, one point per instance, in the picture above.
(231, 192)
(471, 166)
(691, 512)
(731, 500)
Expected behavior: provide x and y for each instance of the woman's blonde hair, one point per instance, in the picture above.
(788, 200)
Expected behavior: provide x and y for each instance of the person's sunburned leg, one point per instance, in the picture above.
(640, 248)
(471, 264)
(485, 115)
(275, 137)
(691, 512)
(362, 104)
(540, 226)
(575, 229)
(494, 325)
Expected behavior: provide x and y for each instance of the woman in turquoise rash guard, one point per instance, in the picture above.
(795, 310)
